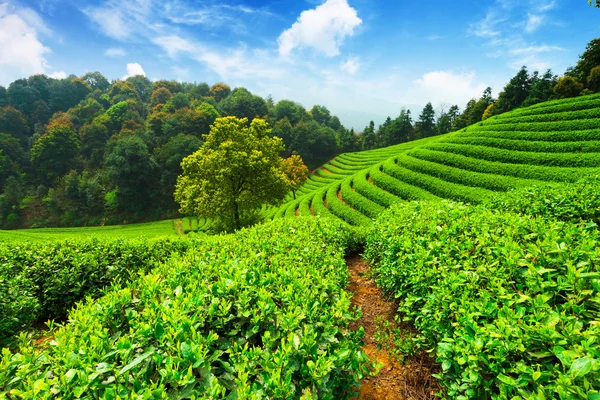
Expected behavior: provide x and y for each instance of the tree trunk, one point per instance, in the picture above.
(236, 216)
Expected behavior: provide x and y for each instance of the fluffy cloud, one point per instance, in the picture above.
(115, 52)
(22, 53)
(322, 29)
(351, 65)
(58, 75)
(134, 69)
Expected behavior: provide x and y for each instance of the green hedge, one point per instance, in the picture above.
(559, 136)
(344, 211)
(359, 202)
(304, 207)
(592, 146)
(318, 204)
(437, 186)
(458, 175)
(565, 126)
(42, 281)
(517, 170)
(508, 303)
(567, 115)
(399, 188)
(260, 314)
(572, 202)
(579, 160)
(572, 104)
(372, 192)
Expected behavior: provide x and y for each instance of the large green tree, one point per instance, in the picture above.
(237, 169)
(53, 154)
(515, 92)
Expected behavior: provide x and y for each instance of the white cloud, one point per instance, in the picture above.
(134, 69)
(227, 63)
(322, 29)
(173, 45)
(21, 53)
(351, 65)
(111, 22)
(441, 87)
(115, 52)
(535, 49)
(487, 27)
(534, 21)
(58, 75)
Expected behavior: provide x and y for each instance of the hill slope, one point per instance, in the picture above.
(553, 141)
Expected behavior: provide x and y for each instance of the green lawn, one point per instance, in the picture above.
(148, 230)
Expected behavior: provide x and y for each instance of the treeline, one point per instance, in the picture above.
(523, 90)
(83, 150)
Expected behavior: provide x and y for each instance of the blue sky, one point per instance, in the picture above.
(363, 59)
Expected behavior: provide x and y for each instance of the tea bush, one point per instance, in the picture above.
(509, 303)
(573, 202)
(41, 281)
(259, 314)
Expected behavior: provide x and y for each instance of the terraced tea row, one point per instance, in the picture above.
(556, 141)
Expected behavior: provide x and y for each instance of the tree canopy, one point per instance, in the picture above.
(237, 169)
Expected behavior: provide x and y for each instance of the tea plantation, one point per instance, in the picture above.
(487, 238)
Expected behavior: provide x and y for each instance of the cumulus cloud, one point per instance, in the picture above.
(134, 69)
(322, 29)
(115, 52)
(58, 75)
(351, 65)
(22, 53)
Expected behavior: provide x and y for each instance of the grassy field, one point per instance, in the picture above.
(171, 227)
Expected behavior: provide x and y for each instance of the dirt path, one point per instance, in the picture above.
(408, 380)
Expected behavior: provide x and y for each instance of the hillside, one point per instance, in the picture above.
(555, 141)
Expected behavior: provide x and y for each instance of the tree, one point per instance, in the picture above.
(294, 112)
(515, 92)
(96, 80)
(131, 167)
(595, 3)
(169, 159)
(587, 61)
(567, 86)
(369, 138)
(243, 104)
(219, 91)
(160, 96)
(237, 169)
(541, 88)
(296, 172)
(14, 123)
(321, 114)
(425, 127)
(53, 154)
(593, 80)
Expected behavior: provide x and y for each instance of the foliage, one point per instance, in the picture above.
(295, 171)
(236, 170)
(49, 278)
(131, 167)
(567, 86)
(53, 154)
(198, 327)
(506, 302)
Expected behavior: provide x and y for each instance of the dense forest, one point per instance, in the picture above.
(86, 151)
